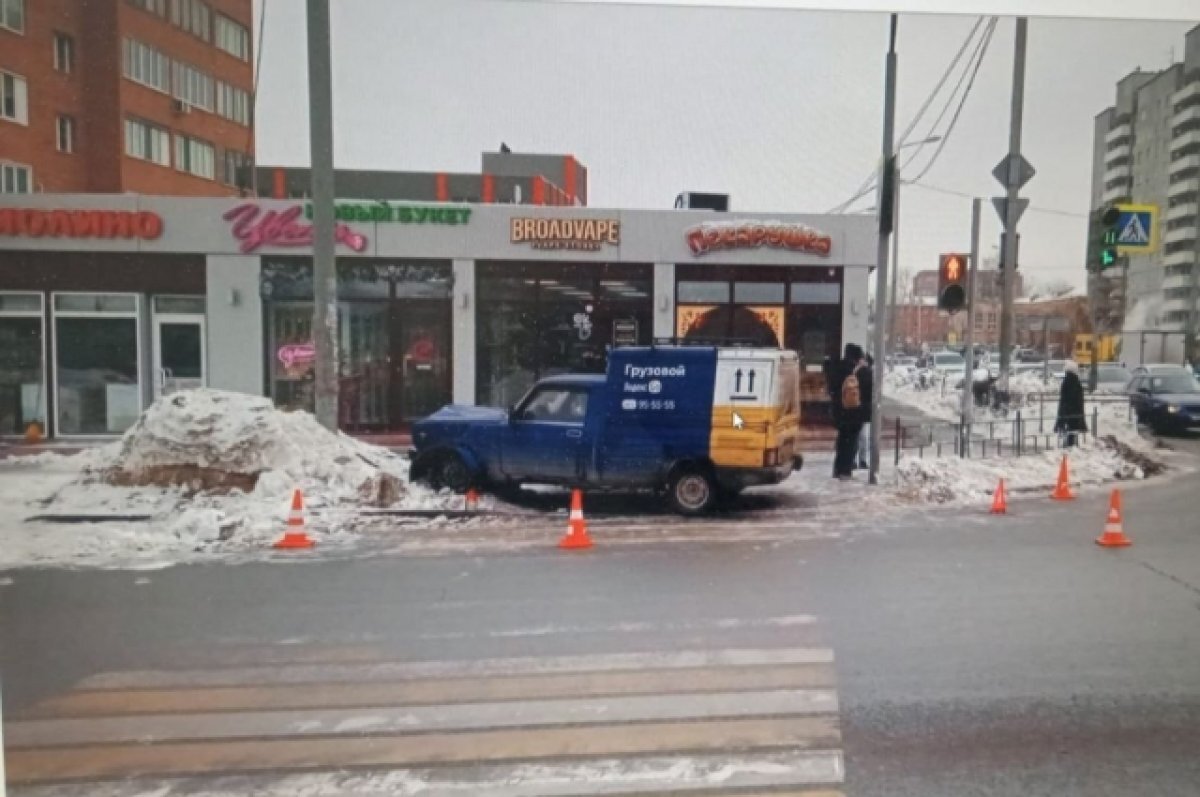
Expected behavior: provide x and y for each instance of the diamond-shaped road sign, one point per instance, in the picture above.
(1003, 171)
(1000, 203)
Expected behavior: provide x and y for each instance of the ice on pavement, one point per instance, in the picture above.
(215, 470)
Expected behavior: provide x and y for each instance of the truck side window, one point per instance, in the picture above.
(557, 405)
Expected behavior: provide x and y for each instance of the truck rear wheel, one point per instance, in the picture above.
(691, 492)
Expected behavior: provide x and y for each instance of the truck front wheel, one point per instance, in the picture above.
(452, 472)
(692, 492)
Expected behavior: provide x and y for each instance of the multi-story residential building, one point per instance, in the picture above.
(505, 177)
(1146, 150)
(125, 96)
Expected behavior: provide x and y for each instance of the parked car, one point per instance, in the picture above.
(1112, 378)
(948, 363)
(694, 421)
(1165, 400)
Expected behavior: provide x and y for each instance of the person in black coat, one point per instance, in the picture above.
(1071, 416)
(849, 419)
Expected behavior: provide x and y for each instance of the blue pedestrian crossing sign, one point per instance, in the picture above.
(1137, 229)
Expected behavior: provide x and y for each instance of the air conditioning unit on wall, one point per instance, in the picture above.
(180, 107)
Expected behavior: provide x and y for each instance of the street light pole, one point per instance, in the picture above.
(886, 215)
(1010, 226)
(325, 321)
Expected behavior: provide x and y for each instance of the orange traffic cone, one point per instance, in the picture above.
(1114, 534)
(1000, 500)
(577, 533)
(295, 536)
(1062, 490)
(472, 500)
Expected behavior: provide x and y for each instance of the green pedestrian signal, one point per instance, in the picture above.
(1109, 237)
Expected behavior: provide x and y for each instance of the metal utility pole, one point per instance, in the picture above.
(1189, 337)
(886, 212)
(891, 337)
(968, 405)
(1012, 210)
(325, 320)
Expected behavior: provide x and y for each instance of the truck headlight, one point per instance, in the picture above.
(1172, 408)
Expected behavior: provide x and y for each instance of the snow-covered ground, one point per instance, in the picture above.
(215, 471)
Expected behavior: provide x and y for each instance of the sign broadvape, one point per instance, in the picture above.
(587, 235)
(715, 236)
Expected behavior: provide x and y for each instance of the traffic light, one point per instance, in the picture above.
(952, 282)
(1109, 232)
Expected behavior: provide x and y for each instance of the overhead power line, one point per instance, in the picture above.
(967, 195)
(869, 182)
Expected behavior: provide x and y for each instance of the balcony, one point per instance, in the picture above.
(1123, 130)
(1190, 138)
(1183, 257)
(1177, 281)
(1186, 163)
(1190, 91)
(1170, 305)
(1122, 172)
(1187, 233)
(1191, 114)
(1115, 193)
(1122, 151)
(1181, 188)
(1183, 211)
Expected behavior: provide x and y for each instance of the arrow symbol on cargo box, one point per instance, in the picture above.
(738, 423)
(750, 380)
(737, 381)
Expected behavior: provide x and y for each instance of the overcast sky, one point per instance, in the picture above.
(780, 109)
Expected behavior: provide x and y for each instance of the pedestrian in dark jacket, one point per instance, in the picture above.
(849, 419)
(830, 368)
(866, 383)
(1071, 417)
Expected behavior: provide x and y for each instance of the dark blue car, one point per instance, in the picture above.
(1166, 400)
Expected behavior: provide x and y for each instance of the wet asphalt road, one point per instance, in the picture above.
(974, 655)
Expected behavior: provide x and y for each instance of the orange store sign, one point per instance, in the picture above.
(39, 223)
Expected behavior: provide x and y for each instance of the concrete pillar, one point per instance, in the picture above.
(236, 339)
(854, 307)
(664, 300)
(463, 332)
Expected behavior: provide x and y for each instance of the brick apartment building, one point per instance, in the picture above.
(116, 96)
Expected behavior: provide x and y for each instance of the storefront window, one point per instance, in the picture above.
(96, 357)
(393, 339)
(22, 378)
(540, 319)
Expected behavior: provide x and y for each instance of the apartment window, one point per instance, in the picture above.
(147, 142)
(153, 6)
(193, 86)
(66, 134)
(145, 65)
(12, 15)
(233, 103)
(231, 162)
(195, 157)
(231, 37)
(64, 52)
(15, 178)
(193, 16)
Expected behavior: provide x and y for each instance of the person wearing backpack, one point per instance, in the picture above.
(850, 418)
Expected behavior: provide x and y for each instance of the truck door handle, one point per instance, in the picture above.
(575, 434)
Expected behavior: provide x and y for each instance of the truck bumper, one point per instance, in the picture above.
(740, 478)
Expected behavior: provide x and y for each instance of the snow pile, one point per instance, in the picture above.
(212, 441)
(955, 480)
(214, 472)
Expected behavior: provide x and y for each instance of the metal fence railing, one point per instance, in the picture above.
(1020, 432)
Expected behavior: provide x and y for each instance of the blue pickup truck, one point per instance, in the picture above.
(696, 422)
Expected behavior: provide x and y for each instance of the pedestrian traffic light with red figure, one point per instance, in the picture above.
(952, 282)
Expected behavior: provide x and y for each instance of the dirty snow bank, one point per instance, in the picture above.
(955, 480)
(215, 472)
